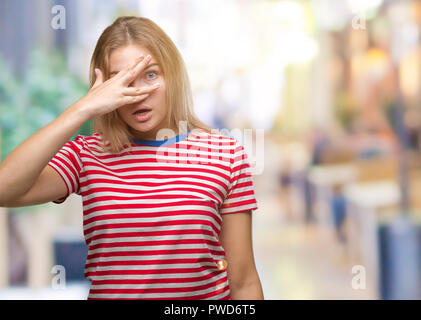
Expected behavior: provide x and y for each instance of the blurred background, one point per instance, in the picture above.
(333, 88)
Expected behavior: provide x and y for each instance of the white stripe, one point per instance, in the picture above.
(173, 168)
(159, 285)
(242, 189)
(139, 211)
(190, 156)
(174, 176)
(157, 218)
(238, 199)
(153, 238)
(177, 275)
(167, 184)
(153, 267)
(73, 153)
(158, 157)
(151, 229)
(160, 257)
(122, 188)
(246, 207)
(64, 177)
(195, 152)
(198, 195)
(135, 220)
(154, 247)
(230, 200)
(171, 204)
(159, 295)
(219, 296)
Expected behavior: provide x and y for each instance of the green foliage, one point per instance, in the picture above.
(27, 105)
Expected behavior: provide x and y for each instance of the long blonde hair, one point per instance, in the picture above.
(144, 32)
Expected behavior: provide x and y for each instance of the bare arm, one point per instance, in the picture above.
(236, 238)
(20, 170)
(25, 177)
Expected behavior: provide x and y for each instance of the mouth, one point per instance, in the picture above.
(142, 114)
(141, 108)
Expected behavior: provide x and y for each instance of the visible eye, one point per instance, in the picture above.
(153, 75)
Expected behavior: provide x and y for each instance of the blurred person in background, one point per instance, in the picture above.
(155, 227)
(369, 141)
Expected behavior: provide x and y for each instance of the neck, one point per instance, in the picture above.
(152, 135)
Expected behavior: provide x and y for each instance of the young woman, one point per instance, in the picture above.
(163, 218)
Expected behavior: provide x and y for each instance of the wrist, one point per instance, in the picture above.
(81, 110)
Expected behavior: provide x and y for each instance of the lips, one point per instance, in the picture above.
(141, 109)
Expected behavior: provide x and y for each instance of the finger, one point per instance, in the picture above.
(131, 75)
(128, 67)
(133, 99)
(133, 91)
(136, 61)
(98, 78)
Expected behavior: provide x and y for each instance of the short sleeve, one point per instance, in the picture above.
(68, 165)
(241, 195)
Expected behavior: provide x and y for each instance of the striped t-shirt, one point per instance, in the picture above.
(152, 217)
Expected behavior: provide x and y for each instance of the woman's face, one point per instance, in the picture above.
(151, 74)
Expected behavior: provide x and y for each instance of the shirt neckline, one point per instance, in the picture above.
(178, 138)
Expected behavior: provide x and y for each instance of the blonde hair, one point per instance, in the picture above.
(144, 32)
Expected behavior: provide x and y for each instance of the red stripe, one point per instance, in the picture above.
(242, 194)
(224, 162)
(196, 297)
(178, 149)
(90, 189)
(149, 234)
(150, 271)
(143, 197)
(144, 192)
(152, 243)
(160, 290)
(150, 215)
(155, 252)
(59, 163)
(140, 167)
(140, 205)
(126, 179)
(239, 203)
(150, 281)
(148, 224)
(145, 262)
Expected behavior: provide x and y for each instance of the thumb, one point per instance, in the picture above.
(98, 78)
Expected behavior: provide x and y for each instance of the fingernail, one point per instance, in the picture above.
(148, 57)
(156, 84)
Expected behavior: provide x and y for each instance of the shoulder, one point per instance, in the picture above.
(214, 137)
(93, 141)
(222, 143)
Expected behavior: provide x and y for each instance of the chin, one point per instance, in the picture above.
(142, 127)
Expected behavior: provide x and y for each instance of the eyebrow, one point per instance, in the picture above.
(149, 66)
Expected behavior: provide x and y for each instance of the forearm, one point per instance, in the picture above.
(20, 169)
(251, 290)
